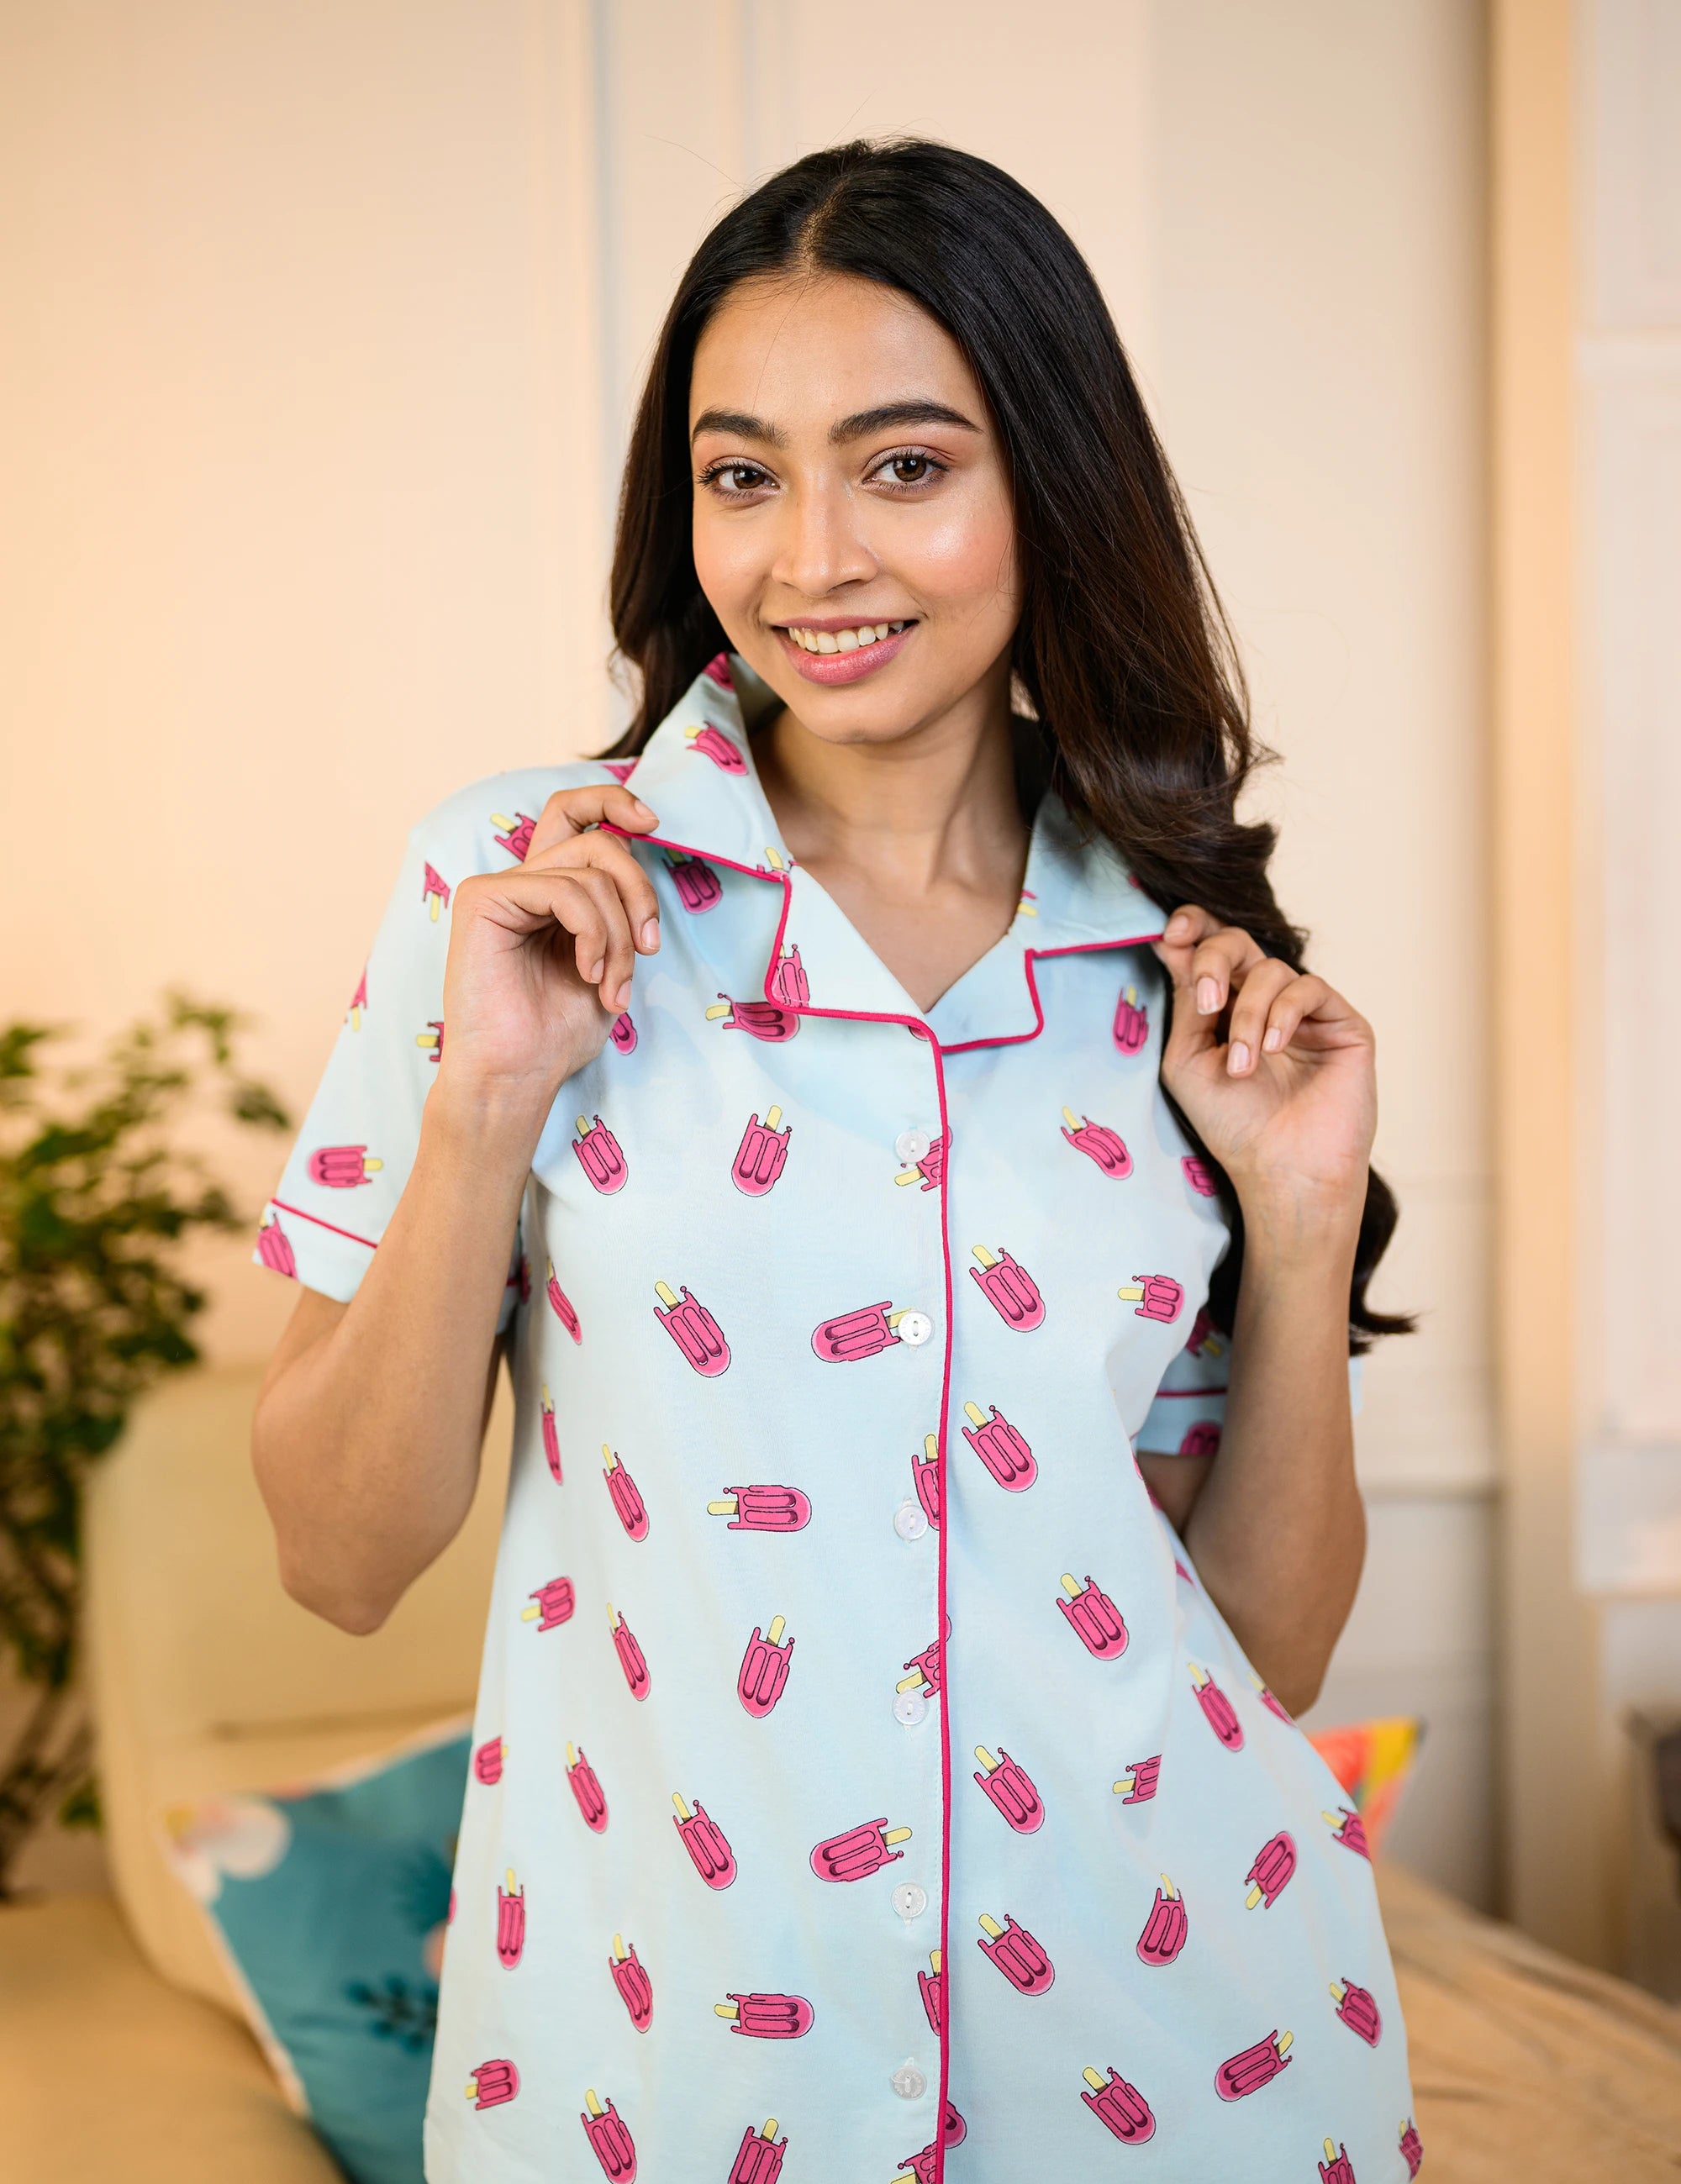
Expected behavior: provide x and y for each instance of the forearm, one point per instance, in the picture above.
(368, 1435)
(1278, 1530)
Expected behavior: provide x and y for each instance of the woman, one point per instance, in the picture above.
(922, 1166)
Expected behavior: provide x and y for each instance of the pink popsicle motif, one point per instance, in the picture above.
(610, 2139)
(758, 2159)
(1357, 2007)
(766, 2016)
(788, 983)
(852, 1335)
(925, 1476)
(931, 1987)
(1011, 1790)
(1008, 1287)
(359, 999)
(555, 1604)
(1270, 1703)
(1350, 1830)
(761, 1154)
(706, 1843)
(635, 1988)
(1094, 1617)
(857, 1851)
(712, 743)
(1120, 2108)
(551, 1435)
(1202, 1438)
(1138, 1785)
(763, 1020)
(1098, 1143)
(930, 1170)
(586, 1789)
(1218, 1711)
(431, 1040)
(1001, 1446)
(493, 2082)
(434, 892)
(764, 1670)
(342, 1168)
(627, 1500)
(561, 1305)
(1016, 1953)
(1274, 1864)
(620, 768)
(517, 832)
(631, 1657)
(1165, 1928)
(510, 1922)
(1131, 1023)
(1412, 2147)
(598, 1154)
(1337, 2168)
(718, 667)
(692, 1328)
(699, 888)
(1156, 1297)
(1199, 1176)
(487, 1761)
(1252, 2068)
(763, 1508)
(273, 1248)
(623, 1033)
(926, 1669)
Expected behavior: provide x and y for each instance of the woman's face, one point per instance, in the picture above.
(852, 524)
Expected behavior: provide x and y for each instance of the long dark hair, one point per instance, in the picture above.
(1123, 648)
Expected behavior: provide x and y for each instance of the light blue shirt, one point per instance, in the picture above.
(864, 1785)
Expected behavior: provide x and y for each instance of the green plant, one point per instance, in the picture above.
(98, 1197)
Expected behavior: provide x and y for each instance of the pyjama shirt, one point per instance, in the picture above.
(863, 1786)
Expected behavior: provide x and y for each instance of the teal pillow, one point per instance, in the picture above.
(329, 1902)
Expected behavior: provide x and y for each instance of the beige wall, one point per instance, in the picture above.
(324, 323)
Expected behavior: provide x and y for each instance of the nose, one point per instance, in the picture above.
(821, 544)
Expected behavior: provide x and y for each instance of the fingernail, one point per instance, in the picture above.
(1273, 1041)
(641, 806)
(596, 969)
(1177, 923)
(1237, 1058)
(1208, 995)
(650, 935)
(622, 1000)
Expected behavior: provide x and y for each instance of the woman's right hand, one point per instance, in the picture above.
(541, 955)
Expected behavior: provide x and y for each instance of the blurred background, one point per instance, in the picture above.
(321, 325)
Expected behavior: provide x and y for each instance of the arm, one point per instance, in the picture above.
(1274, 1522)
(366, 1439)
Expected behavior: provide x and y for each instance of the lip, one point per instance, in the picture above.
(832, 667)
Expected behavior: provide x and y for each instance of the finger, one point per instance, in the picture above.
(1189, 1033)
(1251, 1006)
(603, 852)
(1309, 1013)
(1219, 962)
(569, 812)
(611, 967)
(574, 910)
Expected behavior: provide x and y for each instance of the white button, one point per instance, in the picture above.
(914, 1327)
(908, 2083)
(909, 1901)
(913, 1146)
(910, 1708)
(910, 1520)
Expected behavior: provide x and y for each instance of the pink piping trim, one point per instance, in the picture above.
(1030, 957)
(350, 1234)
(1166, 1395)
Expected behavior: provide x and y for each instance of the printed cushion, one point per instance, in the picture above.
(328, 1900)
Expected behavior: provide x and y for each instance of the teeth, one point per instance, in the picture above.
(843, 640)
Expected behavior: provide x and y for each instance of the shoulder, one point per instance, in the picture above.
(488, 824)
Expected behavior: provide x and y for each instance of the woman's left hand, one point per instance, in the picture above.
(1286, 1101)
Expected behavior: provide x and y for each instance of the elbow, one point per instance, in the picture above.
(1296, 1694)
(355, 1615)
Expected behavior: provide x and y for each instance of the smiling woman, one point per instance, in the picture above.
(893, 1124)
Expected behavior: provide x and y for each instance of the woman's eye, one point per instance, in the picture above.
(909, 467)
(727, 479)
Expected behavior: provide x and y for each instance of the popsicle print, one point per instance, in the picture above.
(699, 888)
(359, 999)
(1131, 1026)
(493, 2083)
(598, 1154)
(561, 1304)
(763, 1508)
(712, 743)
(758, 2159)
(929, 1172)
(1350, 1830)
(1119, 2107)
(631, 1657)
(1165, 1927)
(510, 1922)
(342, 1168)
(1337, 2168)
(1094, 1617)
(761, 1155)
(627, 1500)
(273, 1248)
(1411, 2146)
(1357, 2007)
(857, 1852)
(1270, 1703)
(635, 1987)
(609, 2137)
(1100, 1145)
(1008, 1287)
(586, 1789)
(692, 1328)
(431, 1040)
(931, 1987)
(717, 668)
(623, 1033)
(515, 835)
(1155, 1296)
(1199, 1176)
(852, 1335)
(1001, 1446)
(926, 1478)
(1218, 1711)
(763, 1020)
(487, 1761)
(1138, 1785)
(1202, 1438)
(1274, 1863)
(1016, 1953)
(788, 983)
(766, 2016)
(551, 1435)
(704, 1841)
(1252, 2068)
(764, 1670)
(434, 892)
(924, 1671)
(1010, 1790)
(550, 1605)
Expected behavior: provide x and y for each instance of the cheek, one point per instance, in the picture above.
(729, 561)
(966, 557)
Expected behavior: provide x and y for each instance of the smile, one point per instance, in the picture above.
(842, 655)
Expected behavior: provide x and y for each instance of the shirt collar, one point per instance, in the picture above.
(697, 773)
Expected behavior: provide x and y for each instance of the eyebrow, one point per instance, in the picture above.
(888, 417)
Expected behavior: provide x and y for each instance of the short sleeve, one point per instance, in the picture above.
(1189, 1409)
(354, 1153)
